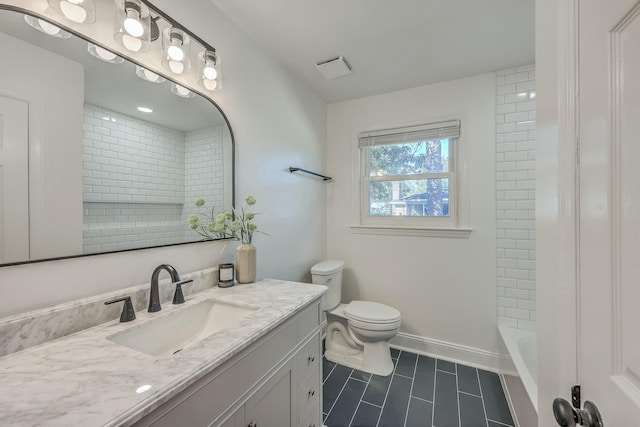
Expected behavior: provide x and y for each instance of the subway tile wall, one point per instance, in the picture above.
(205, 171)
(130, 160)
(139, 179)
(119, 226)
(515, 196)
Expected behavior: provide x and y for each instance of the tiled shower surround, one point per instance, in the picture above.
(141, 179)
(515, 185)
(204, 175)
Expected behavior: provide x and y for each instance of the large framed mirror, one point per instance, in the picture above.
(96, 158)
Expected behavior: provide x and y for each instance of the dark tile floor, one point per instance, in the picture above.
(422, 391)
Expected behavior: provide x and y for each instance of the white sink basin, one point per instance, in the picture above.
(170, 334)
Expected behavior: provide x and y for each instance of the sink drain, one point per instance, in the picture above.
(177, 351)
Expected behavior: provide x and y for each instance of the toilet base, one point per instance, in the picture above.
(374, 357)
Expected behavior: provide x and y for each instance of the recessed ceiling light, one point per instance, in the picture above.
(145, 109)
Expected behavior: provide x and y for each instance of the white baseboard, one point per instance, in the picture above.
(449, 351)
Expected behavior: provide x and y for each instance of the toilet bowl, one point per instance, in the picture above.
(358, 333)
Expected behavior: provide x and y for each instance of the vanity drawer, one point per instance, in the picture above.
(309, 392)
(309, 357)
(308, 320)
(312, 418)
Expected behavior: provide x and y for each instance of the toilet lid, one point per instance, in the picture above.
(371, 312)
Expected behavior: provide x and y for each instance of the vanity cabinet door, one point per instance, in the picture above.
(235, 420)
(275, 403)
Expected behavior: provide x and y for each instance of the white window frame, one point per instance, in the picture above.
(443, 226)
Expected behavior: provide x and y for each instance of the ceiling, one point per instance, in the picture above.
(390, 45)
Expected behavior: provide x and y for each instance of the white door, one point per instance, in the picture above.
(609, 208)
(14, 180)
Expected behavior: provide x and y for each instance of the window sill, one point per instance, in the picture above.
(456, 233)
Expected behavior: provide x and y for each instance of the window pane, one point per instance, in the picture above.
(409, 158)
(425, 197)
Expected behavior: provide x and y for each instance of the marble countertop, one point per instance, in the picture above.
(86, 380)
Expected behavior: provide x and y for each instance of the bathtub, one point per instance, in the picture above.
(522, 348)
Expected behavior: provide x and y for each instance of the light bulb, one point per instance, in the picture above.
(209, 72)
(105, 54)
(210, 84)
(175, 53)
(71, 10)
(134, 44)
(132, 24)
(176, 67)
(182, 91)
(148, 76)
(48, 28)
(151, 76)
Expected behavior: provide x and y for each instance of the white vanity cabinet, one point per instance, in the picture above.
(275, 382)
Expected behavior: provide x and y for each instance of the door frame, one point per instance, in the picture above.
(557, 201)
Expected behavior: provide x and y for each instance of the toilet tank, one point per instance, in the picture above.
(329, 273)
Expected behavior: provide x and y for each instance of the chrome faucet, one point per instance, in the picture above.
(154, 296)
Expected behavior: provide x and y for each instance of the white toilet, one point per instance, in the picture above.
(358, 333)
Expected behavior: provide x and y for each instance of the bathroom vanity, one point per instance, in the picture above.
(274, 382)
(261, 369)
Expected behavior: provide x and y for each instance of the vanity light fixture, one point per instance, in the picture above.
(209, 75)
(80, 11)
(134, 26)
(137, 25)
(149, 76)
(104, 54)
(181, 91)
(176, 50)
(46, 27)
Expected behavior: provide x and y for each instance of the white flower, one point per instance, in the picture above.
(231, 223)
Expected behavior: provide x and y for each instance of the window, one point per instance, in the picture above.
(408, 176)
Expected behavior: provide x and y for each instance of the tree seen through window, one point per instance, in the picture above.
(403, 194)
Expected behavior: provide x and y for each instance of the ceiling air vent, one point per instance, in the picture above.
(333, 68)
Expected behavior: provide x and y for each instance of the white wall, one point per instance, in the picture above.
(444, 287)
(516, 196)
(55, 135)
(277, 123)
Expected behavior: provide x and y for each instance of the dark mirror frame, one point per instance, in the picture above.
(159, 72)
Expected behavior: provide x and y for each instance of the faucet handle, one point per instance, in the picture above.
(128, 313)
(178, 296)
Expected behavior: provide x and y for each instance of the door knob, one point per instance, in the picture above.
(568, 416)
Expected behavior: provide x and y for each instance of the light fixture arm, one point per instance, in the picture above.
(177, 25)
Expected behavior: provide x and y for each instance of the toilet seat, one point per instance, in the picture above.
(371, 313)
